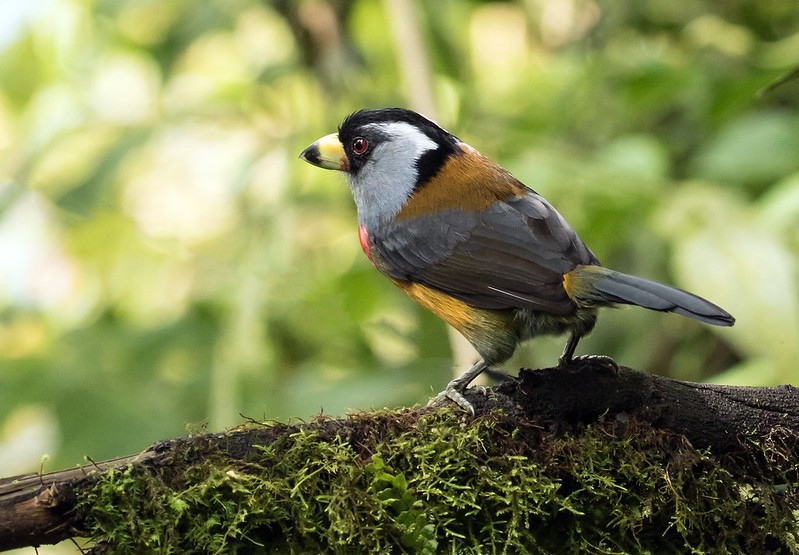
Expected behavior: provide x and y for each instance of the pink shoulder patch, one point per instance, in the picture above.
(363, 237)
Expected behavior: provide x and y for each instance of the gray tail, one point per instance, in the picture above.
(615, 287)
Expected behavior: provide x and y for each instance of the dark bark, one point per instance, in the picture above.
(41, 509)
(708, 415)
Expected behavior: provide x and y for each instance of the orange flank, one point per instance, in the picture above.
(456, 313)
(492, 332)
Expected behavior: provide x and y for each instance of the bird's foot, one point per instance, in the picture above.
(455, 392)
(457, 387)
(602, 360)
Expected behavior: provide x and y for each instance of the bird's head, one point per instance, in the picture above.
(387, 155)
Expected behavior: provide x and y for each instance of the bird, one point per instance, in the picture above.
(468, 241)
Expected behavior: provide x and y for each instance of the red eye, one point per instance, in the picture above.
(359, 145)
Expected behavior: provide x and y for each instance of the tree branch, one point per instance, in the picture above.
(708, 415)
(626, 426)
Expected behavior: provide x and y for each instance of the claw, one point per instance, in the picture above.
(602, 359)
(455, 389)
(452, 394)
(480, 389)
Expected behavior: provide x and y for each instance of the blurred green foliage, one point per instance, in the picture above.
(166, 260)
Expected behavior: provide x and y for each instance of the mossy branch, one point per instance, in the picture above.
(582, 459)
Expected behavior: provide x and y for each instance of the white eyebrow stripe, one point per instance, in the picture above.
(404, 130)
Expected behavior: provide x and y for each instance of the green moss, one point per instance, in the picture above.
(426, 482)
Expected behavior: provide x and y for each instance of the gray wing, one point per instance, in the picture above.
(512, 255)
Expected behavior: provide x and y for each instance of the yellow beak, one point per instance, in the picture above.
(327, 153)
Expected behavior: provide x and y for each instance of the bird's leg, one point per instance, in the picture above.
(568, 358)
(568, 351)
(455, 388)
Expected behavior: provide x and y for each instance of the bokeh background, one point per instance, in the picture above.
(167, 264)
